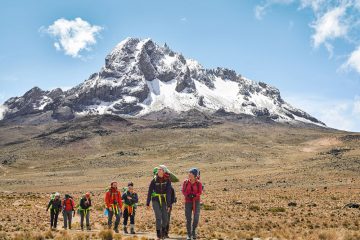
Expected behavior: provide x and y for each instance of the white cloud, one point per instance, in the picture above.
(343, 114)
(260, 10)
(330, 26)
(315, 5)
(73, 36)
(353, 62)
(183, 19)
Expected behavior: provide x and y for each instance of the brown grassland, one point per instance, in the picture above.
(262, 180)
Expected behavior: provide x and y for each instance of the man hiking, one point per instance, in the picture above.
(192, 189)
(84, 210)
(55, 208)
(130, 199)
(160, 194)
(113, 204)
(68, 206)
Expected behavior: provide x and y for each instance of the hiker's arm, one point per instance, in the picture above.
(168, 193)
(135, 198)
(120, 202)
(48, 206)
(107, 202)
(151, 187)
(199, 190)
(184, 189)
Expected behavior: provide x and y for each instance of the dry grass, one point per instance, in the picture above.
(251, 174)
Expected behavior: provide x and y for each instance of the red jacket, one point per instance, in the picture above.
(68, 204)
(195, 189)
(111, 196)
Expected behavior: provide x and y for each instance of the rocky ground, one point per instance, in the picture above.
(262, 180)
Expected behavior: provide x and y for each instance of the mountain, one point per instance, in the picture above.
(141, 78)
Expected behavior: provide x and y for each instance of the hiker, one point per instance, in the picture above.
(160, 194)
(113, 202)
(172, 201)
(84, 210)
(68, 206)
(130, 199)
(192, 189)
(55, 208)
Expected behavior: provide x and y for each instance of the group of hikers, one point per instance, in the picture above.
(161, 195)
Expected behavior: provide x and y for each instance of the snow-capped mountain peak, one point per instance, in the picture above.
(141, 77)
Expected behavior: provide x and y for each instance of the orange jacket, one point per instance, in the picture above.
(113, 196)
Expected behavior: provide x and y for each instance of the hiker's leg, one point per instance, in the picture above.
(56, 215)
(132, 217)
(82, 215)
(188, 213)
(65, 219)
(110, 216)
(196, 218)
(157, 211)
(88, 220)
(69, 215)
(168, 224)
(51, 218)
(117, 219)
(126, 216)
(164, 217)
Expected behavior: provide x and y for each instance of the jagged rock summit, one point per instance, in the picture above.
(140, 78)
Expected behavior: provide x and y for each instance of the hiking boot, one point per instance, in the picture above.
(132, 229)
(82, 228)
(194, 235)
(125, 230)
(158, 234)
(188, 238)
(88, 228)
(116, 230)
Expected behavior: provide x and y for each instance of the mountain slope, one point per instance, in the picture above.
(140, 77)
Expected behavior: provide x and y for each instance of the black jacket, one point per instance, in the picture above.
(132, 201)
(54, 204)
(85, 203)
(159, 186)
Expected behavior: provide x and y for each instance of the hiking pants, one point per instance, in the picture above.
(67, 218)
(126, 217)
(191, 226)
(86, 215)
(53, 217)
(168, 224)
(117, 218)
(161, 215)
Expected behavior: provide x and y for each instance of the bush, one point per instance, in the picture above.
(254, 208)
(106, 235)
(277, 209)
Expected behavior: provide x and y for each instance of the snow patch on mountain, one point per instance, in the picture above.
(3, 110)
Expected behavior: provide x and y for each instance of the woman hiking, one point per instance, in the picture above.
(113, 204)
(55, 208)
(130, 199)
(160, 195)
(84, 210)
(192, 189)
(68, 205)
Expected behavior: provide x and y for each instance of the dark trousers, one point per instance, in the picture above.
(167, 229)
(67, 218)
(191, 224)
(117, 218)
(86, 215)
(126, 216)
(54, 214)
(161, 215)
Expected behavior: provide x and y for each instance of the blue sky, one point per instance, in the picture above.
(309, 49)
